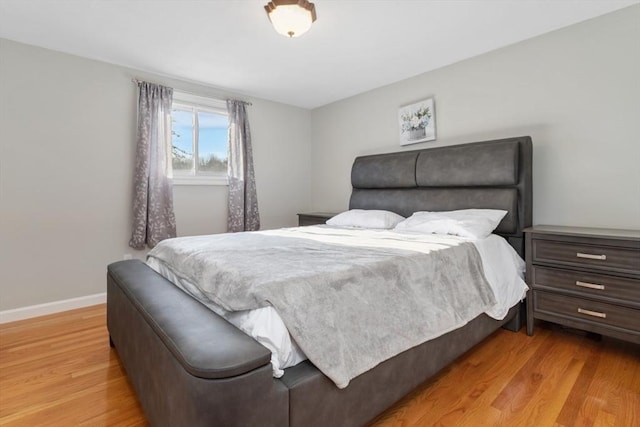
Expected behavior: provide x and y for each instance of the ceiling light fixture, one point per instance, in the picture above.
(291, 18)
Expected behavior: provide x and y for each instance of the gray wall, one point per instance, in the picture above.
(67, 128)
(67, 141)
(575, 91)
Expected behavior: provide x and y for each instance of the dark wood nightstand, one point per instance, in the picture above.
(585, 278)
(314, 218)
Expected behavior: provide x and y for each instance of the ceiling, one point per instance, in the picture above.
(354, 46)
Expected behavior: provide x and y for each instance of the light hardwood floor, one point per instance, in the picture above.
(59, 370)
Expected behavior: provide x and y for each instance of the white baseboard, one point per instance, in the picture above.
(51, 307)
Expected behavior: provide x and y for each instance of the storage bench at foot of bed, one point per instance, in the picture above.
(188, 366)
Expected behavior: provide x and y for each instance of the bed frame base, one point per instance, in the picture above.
(154, 359)
(519, 319)
(189, 367)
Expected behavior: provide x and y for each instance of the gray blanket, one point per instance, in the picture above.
(348, 307)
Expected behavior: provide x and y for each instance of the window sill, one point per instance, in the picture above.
(200, 180)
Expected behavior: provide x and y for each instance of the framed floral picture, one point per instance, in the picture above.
(417, 122)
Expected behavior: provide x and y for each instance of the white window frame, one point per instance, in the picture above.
(217, 106)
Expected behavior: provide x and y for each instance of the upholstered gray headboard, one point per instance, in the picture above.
(488, 175)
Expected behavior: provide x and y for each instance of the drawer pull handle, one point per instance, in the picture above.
(589, 285)
(592, 313)
(591, 256)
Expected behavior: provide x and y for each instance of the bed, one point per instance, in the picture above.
(189, 366)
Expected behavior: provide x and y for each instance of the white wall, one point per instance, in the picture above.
(575, 91)
(67, 144)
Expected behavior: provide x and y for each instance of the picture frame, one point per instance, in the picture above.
(417, 122)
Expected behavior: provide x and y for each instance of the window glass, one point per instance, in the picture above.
(212, 142)
(182, 140)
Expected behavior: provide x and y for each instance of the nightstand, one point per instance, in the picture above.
(584, 278)
(314, 218)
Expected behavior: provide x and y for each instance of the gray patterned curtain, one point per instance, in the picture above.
(243, 200)
(153, 217)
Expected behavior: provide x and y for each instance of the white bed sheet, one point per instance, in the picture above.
(503, 267)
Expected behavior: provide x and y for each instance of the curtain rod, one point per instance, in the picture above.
(138, 81)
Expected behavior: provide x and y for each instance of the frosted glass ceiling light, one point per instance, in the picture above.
(291, 18)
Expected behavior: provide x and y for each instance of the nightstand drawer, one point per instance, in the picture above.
(595, 257)
(588, 284)
(315, 218)
(587, 310)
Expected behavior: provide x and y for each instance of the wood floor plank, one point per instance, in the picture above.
(484, 381)
(576, 398)
(620, 379)
(527, 380)
(554, 389)
(60, 370)
(481, 371)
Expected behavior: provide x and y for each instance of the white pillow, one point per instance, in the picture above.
(472, 223)
(360, 218)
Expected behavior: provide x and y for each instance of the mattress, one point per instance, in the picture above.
(503, 269)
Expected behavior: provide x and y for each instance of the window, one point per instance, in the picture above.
(199, 150)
